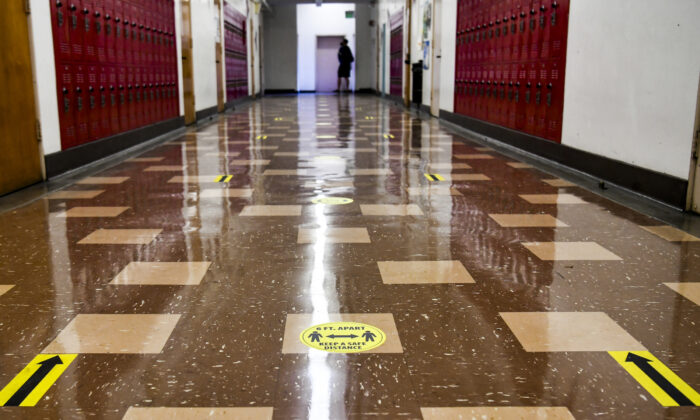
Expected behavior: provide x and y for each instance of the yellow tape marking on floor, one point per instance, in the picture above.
(653, 375)
(47, 370)
(434, 177)
(223, 178)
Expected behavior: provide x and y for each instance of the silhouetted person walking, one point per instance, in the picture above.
(345, 58)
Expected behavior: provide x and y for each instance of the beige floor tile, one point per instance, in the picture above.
(483, 149)
(77, 195)
(338, 235)
(162, 273)
(447, 166)
(292, 154)
(194, 179)
(671, 234)
(227, 193)
(296, 323)
(427, 149)
(93, 212)
(466, 177)
(474, 156)
(239, 142)
(328, 184)
(263, 147)
(437, 190)
(570, 251)
(4, 288)
(165, 168)
(496, 413)
(390, 210)
(246, 162)
(559, 183)
(145, 159)
(569, 331)
(121, 236)
(198, 413)
(371, 171)
(519, 165)
(114, 333)
(364, 150)
(690, 291)
(552, 199)
(278, 210)
(423, 272)
(527, 220)
(224, 154)
(103, 180)
(286, 172)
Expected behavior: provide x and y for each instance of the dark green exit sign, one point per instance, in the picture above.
(350, 14)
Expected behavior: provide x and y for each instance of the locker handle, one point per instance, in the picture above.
(126, 22)
(140, 26)
(129, 87)
(555, 4)
(79, 90)
(513, 17)
(111, 87)
(133, 24)
(498, 21)
(491, 23)
(505, 18)
(102, 88)
(510, 84)
(549, 86)
(65, 91)
(91, 89)
(121, 87)
(517, 84)
(72, 7)
(503, 83)
(543, 8)
(539, 85)
(108, 17)
(85, 11)
(97, 14)
(529, 84)
(117, 19)
(522, 14)
(59, 3)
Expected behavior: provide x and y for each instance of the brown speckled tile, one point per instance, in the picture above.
(74, 194)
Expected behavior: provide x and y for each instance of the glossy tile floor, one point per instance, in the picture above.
(183, 291)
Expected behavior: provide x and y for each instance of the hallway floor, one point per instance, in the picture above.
(180, 284)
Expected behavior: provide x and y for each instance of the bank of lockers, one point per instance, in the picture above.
(396, 64)
(236, 54)
(116, 66)
(510, 62)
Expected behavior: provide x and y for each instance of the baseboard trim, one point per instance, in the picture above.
(206, 112)
(232, 104)
(662, 187)
(279, 91)
(75, 157)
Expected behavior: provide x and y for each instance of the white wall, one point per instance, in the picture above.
(45, 75)
(632, 81)
(448, 45)
(204, 31)
(313, 21)
(280, 47)
(366, 46)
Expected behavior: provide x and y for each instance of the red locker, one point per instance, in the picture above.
(109, 32)
(81, 110)
(66, 105)
(89, 34)
(113, 88)
(123, 98)
(77, 29)
(91, 96)
(61, 24)
(554, 100)
(98, 13)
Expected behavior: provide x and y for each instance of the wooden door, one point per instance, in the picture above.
(20, 156)
(187, 64)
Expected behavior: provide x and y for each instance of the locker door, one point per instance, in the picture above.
(89, 35)
(80, 105)
(555, 100)
(536, 25)
(77, 31)
(98, 14)
(530, 107)
(123, 98)
(540, 99)
(131, 96)
(109, 33)
(113, 98)
(119, 28)
(93, 109)
(66, 105)
(520, 103)
(60, 22)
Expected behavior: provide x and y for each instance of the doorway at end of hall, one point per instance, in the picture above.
(327, 62)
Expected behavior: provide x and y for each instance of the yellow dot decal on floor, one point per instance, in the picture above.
(343, 337)
(332, 201)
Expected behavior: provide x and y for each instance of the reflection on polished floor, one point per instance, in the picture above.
(182, 279)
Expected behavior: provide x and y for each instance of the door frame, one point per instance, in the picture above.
(693, 195)
(187, 63)
(407, 57)
(436, 58)
(220, 100)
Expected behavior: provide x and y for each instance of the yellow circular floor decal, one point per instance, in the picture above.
(343, 337)
(333, 201)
